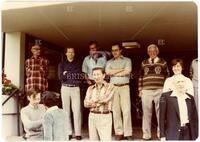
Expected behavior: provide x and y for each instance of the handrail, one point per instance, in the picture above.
(18, 113)
(10, 96)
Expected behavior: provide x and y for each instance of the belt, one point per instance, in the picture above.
(99, 112)
(185, 125)
(70, 85)
(120, 85)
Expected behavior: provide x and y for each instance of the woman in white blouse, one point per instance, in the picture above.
(177, 67)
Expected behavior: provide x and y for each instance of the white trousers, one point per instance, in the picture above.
(71, 99)
(148, 97)
(100, 126)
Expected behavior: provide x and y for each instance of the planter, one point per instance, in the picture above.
(9, 117)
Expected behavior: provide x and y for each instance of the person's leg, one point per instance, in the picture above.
(93, 135)
(126, 109)
(147, 99)
(157, 96)
(76, 109)
(65, 96)
(117, 118)
(104, 127)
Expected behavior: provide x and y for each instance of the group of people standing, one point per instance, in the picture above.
(108, 96)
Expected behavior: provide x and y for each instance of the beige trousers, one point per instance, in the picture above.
(71, 99)
(148, 97)
(122, 111)
(100, 127)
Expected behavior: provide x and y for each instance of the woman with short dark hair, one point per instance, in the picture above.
(177, 67)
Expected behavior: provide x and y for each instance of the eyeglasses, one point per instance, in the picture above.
(35, 48)
(115, 50)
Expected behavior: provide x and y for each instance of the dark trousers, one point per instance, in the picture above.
(185, 133)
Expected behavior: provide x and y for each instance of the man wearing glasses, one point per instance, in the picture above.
(36, 70)
(119, 69)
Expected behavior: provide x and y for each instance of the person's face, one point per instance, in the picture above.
(152, 52)
(36, 50)
(93, 49)
(34, 101)
(116, 51)
(98, 76)
(177, 69)
(180, 84)
(70, 53)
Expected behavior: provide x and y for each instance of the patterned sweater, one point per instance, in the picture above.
(152, 76)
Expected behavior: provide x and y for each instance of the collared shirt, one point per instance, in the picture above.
(52, 108)
(183, 110)
(169, 85)
(102, 96)
(194, 72)
(119, 63)
(155, 60)
(36, 72)
(73, 75)
(89, 63)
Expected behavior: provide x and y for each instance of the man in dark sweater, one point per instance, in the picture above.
(69, 72)
(153, 73)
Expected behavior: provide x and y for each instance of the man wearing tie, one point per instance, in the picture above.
(153, 73)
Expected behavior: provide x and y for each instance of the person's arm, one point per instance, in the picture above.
(191, 70)
(46, 67)
(162, 118)
(109, 93)
(110, 71)
(189, 87)
(166, 70)
(167, 85)
(127, 70)
(48, 127)
(140, 80)
(61, 73)
(85, 71)
(30, 124)
(88, 102)
(27, 68)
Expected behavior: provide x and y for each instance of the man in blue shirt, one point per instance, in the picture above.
(94, 59)
(69, 72)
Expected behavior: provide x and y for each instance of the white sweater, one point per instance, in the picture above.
(32, 120)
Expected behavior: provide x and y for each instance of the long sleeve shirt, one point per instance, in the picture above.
(55, 124)
(73, 73)
(169, 85)
(36, 72)
(99, 99)
(120, 63)
(152, 76)
(32, 120)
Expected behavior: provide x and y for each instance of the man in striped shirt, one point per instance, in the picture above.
(36, 71)
(99, 98)
(153, 73)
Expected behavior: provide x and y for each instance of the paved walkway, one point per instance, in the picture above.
(137, 134)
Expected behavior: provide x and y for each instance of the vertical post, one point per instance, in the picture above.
(14, 69)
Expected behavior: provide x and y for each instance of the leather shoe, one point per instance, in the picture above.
(70, 137)
(78, 138)
(119, 137)
(129, 138)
